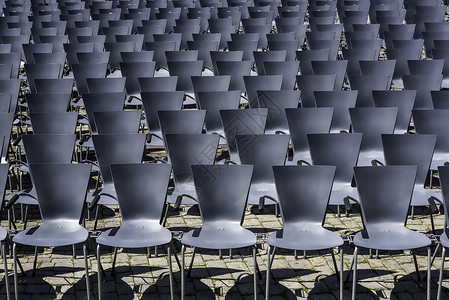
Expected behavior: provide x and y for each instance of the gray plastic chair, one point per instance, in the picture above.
(61, 191)
(242, 121)
(423, 84)
(185, 150)
(385, 194)
(303, 211)
(117, 121)
(222, 195)
(306, 57)
(255, 83)
(263, 151)
(157, 84)
(337, 67)
(341, 101)
(372, 122)
(42, 102)
(366, 84)
(378, 67)
(340, 150)
(141, 191)
(304, 121)
(288, 69)
(440, 99)
(308, 84)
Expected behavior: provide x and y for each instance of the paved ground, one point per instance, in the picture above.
(391, 276)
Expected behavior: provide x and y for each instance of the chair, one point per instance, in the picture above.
(113, 149)
(6, 122)
(255, 83)
(440, 99)
(183, 151)
(214, 101)
(288, 69)
(304, 121)
(117, 121)
(340, 150)
(261, 56)
(423, 84)
(247, 44)
(152, 103)
(56, 123)
(115, 48)
(159, 49)
(337, 67)
(141, 191)
(263, 151)
(135, 39)
(385, 194)
(434, 121)
(308, 84)
(426, 67)
(372, 122)
(403, 100)
(222, 201)
(242, 121)
(331, 45)
(83, 71)
(54, 86)
(42, 71)
(133, 71)
(378, 67)
(29, 49)
(277, 102)
(367, 45)
(224, 56)
(306, 57)
(366, 84)
(237, 70)
(12, 58)
(97, 40)
(354, 56)
(72, 50)
(303, 210)
(185, 70)
(106, 85)
(204, 47)
(157, 84)
(341, 102)
(61, 190)
(4, 169)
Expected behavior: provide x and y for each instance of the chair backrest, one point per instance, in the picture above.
(43, 102)
(256, 83)
(110, 101)
(50, 86)
(298, 202)
(433, 121)
(263, 151)
(222, 191)
(410, 149)
(185, 150)
(54, 122)
(308, 84)
(156, 101)
(49, 148)
(385, 194)
(141, 190)
(61, 190)
(158, 84)
(103, 85)
(117, 149)
(133, 70)
(4, 170)
(117, 121)
(242, 121)
(181, 121)
(443, 173)
(6, 120)
(341, 101)
(336, 149)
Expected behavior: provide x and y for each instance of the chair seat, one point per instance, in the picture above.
(444, 239)
(52, 234)
(304, 236)
(421, 195)
(26, 199)
(133, 234)
(3, 233)
(438, 159)
(340, 191)
(391, 237)
(219, 235)
(260, 190)
(366, 157)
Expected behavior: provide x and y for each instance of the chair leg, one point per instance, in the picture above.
(341, 273)
(416, 266)
(16, 281)
(429, 265)
(74, 251)
(440, 281)
(36, 249)
(86, 266)
(170, 270)
(183, 249)
(267, 282)
(354, 274)
(335, 265)
(255, 271)
(191, 263)
(5, 264)
(99, 269)
(114, 261)
(174, 253)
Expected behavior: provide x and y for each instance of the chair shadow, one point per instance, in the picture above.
(409, 283)
(277, 289)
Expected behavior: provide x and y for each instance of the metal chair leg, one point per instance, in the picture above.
(99, 269)
(16, 281)
(341, 273)
(440, 281)
(416, 266)
(255, 271)
(183, 249)
(191, 263)
(5, 265)
(114, 261)
(86, 266)
(36, 249)
(170, 270)
(174, 253)
(429, 265)
(354, 276)
(267, 282)
(335, 265)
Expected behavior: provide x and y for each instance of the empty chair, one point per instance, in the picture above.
(242, 121)
(423, 84)
(288, 69)
(434, 121)
(304, 121)
(142, 56)
(237, 70)
(117, 121)
(222, 200)
(152, 103)
(159, 49)
(61, 190)
(29, 49)
(365, 85)
(173, 37)
(12, 58)
(277, 102)
(210, 84)
(308, 84)
(261, 56)
(133, 71)
(440, 99)
(114, 49)
(403, 100)
(372, 122)
(385, 194)
(367, 45)
(83, 71)
(141, 191)
(291, 46)
(303, 211)
(6, 122)
(306, 57)
(185, 150)
(54, 86)
(204, 47)
(354, 56)
(57, 123)
(256, 83)
(426, 67)
(157, 84)
(224, 56)
(341, 102)
(248, 46)
(185, 70)
(263, 151)
(97, 40)
(340, 150)
(331, 67)
(72, 50)
(331, 45)
(105, 85)
(378, 67)
(403, 51)
(41, 71)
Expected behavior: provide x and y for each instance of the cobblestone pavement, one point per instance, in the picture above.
(391, 276)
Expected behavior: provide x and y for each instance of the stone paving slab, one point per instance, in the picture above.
(138, 276)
